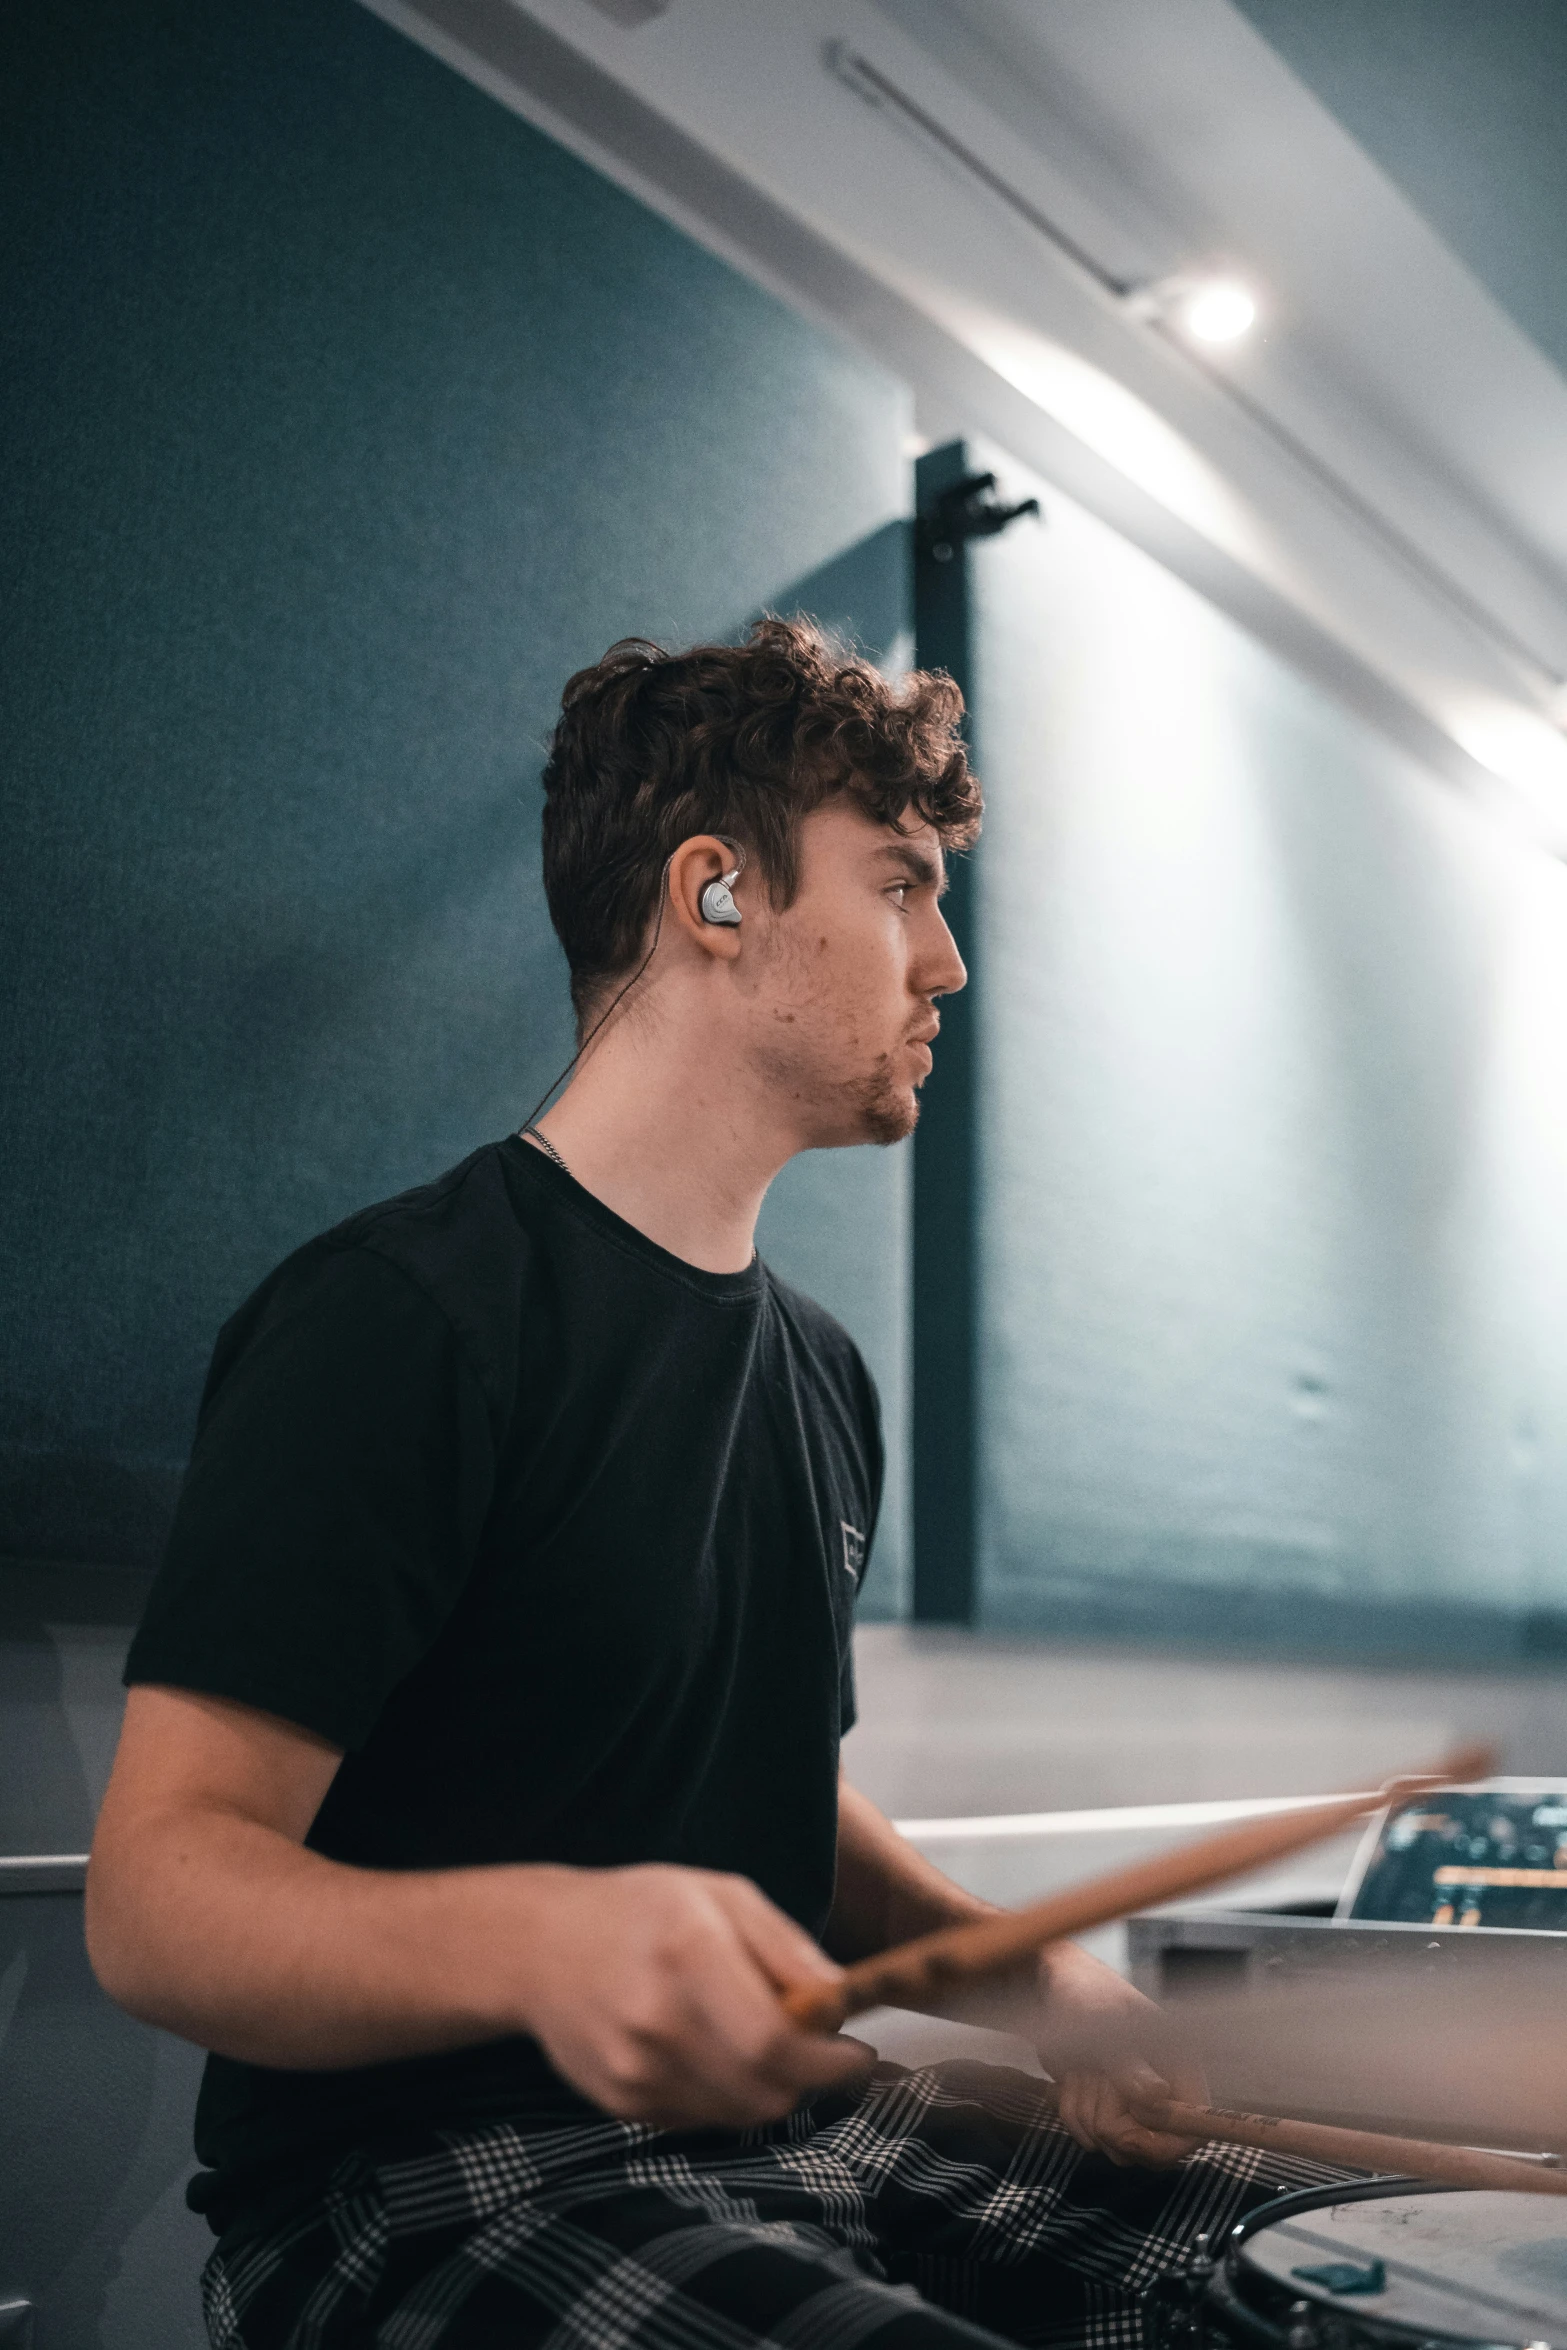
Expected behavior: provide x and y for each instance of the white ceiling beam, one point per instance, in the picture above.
(723, 115)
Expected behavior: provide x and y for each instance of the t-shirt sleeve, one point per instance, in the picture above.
(848, 1704)
(874, 1464)
(343, 1465)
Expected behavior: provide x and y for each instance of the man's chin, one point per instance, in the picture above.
(891, 1117)
(876, 1110)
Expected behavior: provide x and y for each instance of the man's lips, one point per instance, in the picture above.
(922, 1041)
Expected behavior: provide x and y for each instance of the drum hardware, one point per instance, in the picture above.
(1302, 2334)
(1197, 2307)
(1177, 2299)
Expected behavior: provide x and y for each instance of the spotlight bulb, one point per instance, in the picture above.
(1219, 312)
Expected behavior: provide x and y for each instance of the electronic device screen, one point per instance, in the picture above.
(1492, 1855)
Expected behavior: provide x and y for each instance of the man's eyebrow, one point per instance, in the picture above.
(919, 864)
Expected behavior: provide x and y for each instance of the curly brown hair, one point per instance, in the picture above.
(741, 740)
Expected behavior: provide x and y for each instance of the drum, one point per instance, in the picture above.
(1382, 2263)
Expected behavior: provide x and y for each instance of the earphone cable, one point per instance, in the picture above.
(658, 931)
(550, 1091)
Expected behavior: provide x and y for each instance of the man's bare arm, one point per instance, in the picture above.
(1102, 2040)
(887, 1892)
(654, 1990)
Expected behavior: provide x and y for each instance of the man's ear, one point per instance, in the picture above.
(703, 859)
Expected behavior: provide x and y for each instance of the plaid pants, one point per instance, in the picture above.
(927, 2211)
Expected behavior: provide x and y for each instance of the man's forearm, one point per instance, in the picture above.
(887, 1892)
(231, 1935)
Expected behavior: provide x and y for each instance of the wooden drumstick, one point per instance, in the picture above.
(936, 1965)
(1370, 2150)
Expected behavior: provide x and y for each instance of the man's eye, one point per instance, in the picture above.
(899, 891)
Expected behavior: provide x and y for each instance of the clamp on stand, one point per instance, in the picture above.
(968, 510)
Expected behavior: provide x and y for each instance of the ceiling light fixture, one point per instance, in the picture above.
(1212, 307)
(1199, 312)
(1219, 312)
(1206, 306)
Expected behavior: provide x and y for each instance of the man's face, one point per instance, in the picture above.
(842, 988)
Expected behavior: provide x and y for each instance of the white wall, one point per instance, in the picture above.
(1275, 1070)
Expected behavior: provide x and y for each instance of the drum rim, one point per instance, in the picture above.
(1379, 2189)
(1226, 2286)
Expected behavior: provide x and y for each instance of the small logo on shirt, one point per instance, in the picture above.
(853, 1550)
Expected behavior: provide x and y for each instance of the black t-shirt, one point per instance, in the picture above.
(558, 1537)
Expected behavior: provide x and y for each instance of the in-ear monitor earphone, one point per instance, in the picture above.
(716, 903)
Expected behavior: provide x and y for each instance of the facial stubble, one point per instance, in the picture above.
(888, 1112)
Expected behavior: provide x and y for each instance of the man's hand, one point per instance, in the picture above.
(1110, 2050)
(656, 1993)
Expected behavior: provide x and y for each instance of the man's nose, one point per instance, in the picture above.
(946, 971)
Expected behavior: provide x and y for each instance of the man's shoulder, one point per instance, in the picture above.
(822, 1339)
(466, 1240)
(445, 1229)
(461, 1241)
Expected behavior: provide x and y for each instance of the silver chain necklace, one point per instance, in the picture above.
(531, 1133)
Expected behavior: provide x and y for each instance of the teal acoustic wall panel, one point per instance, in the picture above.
(345, 415)
(1274, 1145)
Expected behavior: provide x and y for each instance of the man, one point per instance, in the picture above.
(478, 1792)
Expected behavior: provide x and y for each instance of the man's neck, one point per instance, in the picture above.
(669, 1150)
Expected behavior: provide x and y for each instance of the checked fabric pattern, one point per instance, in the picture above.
(930, 2210)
